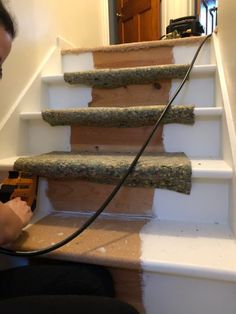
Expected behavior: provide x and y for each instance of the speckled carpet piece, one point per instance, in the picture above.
(138, 45)
(112, 78)
(167, 171)
(128, 117)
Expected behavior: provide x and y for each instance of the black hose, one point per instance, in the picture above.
(117, 187)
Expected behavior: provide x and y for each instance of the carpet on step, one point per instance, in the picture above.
(113, 78)
(129, 117)
(166, 170)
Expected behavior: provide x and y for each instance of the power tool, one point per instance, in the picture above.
(19, 184)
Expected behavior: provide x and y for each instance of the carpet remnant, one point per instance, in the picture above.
(166, 170)
(128, 117)
(113, 78)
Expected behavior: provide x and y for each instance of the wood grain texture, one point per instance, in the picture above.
(128, 286)
(132, 95)
(102, 140)
(133, 58)
(108, 242)
(81, 196)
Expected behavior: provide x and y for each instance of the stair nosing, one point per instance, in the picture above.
(197, 70)
(136, 46)
(198, 171)
(198, 111)
(191, 261)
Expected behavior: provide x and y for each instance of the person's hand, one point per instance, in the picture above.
(21, 209)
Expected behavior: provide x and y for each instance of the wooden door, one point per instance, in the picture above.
(139, 20)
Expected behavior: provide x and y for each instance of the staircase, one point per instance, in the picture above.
(166, 237)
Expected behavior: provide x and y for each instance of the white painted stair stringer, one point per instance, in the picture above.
(229, 129)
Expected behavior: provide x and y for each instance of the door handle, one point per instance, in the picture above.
(119, 15)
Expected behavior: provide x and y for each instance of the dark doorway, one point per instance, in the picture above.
(207, 11)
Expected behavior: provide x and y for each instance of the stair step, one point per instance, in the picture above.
(196, 71)
(198, 112)
(214, 169)
(135, 54)
(61, 95)
(108, 242)
(113, 78)
(172, 171)
(119, 117)
(164, 247)
(196, 250)
(138, 45)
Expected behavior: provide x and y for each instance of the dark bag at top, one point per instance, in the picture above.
(185, 26)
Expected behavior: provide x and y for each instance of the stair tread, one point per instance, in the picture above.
(164, 170)
(113, 78)
(197, 70)
(119, 117)
(138, 45)
(198, 112)
(191, 249)
(208, 168)
(108, 242)
(201, 250)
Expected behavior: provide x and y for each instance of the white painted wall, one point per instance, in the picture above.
(227, 44)
(226, 34)
(39, 23)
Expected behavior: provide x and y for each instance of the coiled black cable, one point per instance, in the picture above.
(117, 187)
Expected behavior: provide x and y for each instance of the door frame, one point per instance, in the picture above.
(105, 22)
(166, 15)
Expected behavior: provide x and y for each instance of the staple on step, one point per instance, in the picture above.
(128, 117)
(166, 170)
(113, 78)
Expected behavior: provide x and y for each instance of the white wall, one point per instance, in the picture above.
(226, 34)
(39, 23)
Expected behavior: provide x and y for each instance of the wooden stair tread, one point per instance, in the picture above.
(107, 242)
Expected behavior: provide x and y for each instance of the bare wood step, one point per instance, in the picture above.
(111, 243)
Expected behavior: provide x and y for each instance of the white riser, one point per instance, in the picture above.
(207, 203)
(77, 62)
(62, 96)
(184, 54)
(181, 54)
(192, 139)
(166, 294)
(43, 138)
(199, 91)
